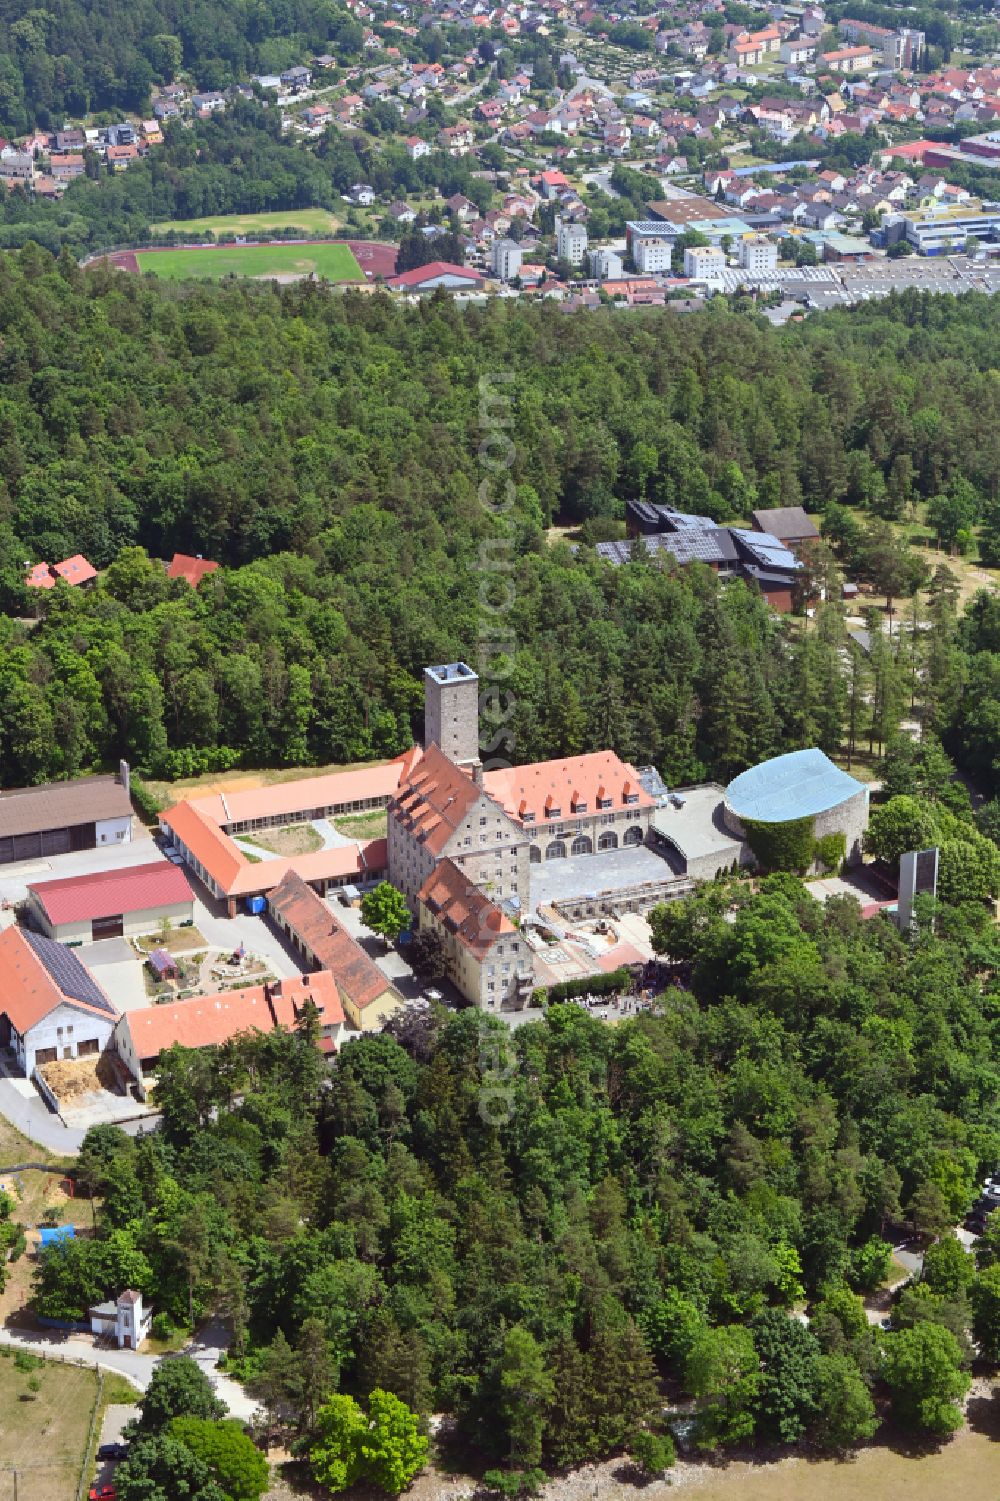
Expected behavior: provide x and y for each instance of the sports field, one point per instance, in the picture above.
(333, 261)
(313, 221)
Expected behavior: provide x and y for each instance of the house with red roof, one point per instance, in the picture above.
(487, 959)
(193, 570)
(75, 571)
(112, 903)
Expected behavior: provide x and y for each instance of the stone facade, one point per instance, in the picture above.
(849, 818)
(451, 711)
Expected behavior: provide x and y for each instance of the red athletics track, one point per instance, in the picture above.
(375, 259)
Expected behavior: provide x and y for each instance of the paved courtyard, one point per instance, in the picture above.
(587, 875)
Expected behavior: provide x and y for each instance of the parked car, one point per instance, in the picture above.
(103, 1493)
(112, 1451)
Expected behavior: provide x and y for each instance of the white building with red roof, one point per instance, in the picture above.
(112, 903)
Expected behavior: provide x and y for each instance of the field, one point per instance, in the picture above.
(334, 262)
(314, 221)
(43, 1434)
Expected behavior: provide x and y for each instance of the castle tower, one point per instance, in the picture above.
(451, 711)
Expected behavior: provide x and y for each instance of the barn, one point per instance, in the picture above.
(112, 903)
(60, 817)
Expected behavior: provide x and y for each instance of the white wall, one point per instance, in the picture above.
(86, 1025)
(114, 830)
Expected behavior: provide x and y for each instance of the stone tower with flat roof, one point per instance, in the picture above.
(451, 711)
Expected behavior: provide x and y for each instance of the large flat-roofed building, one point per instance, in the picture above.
(690, 823)
(61, 817)
(940, 228)
(112, 903)
(368, 997)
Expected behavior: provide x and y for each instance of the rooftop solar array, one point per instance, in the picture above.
(766, 550)
(797, 785)
(68, 973)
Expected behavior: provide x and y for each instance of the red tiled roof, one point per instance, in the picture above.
(292, 799)
(308, 917)
(203, 1022)
(468, 913)
(106, 893)
(434, 799)
(421, 274)
(182, 566)
(40, 577)
(289, 996)
(213, 849)
(567, 784)
(75, 570)
(209, 1020)
(27, 990)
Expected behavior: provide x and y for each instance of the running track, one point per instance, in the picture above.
(375, 259)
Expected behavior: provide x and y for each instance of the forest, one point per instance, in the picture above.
(235, 163)
(284, 433)
(553, 1234)
(78, 57)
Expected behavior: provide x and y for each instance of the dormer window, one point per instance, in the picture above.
(527, 817)
(553, 812)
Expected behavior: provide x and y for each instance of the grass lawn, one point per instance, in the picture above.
(314, 221)
(374, 825)
(177, 941)
(293, 839)
(334, 262)
(44, 1434)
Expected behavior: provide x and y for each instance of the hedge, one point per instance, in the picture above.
(610, 984)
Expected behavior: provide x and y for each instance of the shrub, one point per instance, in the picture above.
(829, 851)
(145, 804)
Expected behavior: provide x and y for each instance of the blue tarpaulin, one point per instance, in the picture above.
(52, 1235)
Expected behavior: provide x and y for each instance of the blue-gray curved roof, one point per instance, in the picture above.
(797, 785)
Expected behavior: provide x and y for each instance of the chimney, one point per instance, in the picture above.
(124, 775)
(477, 773)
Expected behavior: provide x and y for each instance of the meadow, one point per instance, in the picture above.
(314, 221)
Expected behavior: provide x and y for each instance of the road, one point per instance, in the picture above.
(205, 1349)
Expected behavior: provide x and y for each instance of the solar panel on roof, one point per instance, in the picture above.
(68, 973)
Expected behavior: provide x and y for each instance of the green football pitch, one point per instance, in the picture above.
(334, 262)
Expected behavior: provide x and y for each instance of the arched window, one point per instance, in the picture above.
(608, 840)
(633, 835)
(534, 854)
(556, 850)
(582, 846)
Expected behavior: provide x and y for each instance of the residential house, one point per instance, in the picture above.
(416, 148)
